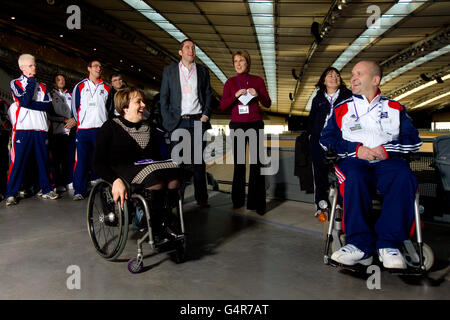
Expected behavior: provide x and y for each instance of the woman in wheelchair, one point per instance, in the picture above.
(126, 155)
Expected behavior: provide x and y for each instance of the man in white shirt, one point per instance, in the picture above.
(185, 100)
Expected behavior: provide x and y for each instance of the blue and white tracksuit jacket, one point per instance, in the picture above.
(89, 110)
(382, 122)
(28, 116)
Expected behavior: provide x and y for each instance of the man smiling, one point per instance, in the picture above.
(186, 100)
(89, 109)
(371, 133)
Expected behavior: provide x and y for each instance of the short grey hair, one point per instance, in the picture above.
(24, 57)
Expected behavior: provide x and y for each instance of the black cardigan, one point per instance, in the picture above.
(116, 151)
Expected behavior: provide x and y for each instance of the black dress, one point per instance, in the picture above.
(120, 144)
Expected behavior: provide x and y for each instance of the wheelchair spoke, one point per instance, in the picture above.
(106, 222)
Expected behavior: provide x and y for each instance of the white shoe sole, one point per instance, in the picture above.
(364, 262)
(394, 266)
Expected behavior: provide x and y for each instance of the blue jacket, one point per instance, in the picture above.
(320, 108)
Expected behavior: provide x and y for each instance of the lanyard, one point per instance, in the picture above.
(333, 97)
(379, 105)
(239, 82)
(190, 73)
(90, 90)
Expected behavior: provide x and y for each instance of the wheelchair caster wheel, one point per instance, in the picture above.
(180, 252)
(135, 266)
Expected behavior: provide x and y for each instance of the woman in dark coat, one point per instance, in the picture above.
(332, 91)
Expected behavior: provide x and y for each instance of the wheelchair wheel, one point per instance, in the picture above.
(135, 265)
(107, 223)
(428, 257)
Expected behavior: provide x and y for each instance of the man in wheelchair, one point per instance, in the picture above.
(370, 133)
(126, 156)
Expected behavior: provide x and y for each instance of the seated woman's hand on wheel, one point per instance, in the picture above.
(119, 191)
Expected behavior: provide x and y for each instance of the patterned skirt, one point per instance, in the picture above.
(148, 175)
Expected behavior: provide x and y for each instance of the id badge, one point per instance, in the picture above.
(186, 89)
(356, 127)
(243, 109)
(92, 104)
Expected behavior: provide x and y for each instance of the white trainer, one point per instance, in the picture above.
(10, 201)
(351, 255)
(77, 197)
(391, 258)
(52, 195)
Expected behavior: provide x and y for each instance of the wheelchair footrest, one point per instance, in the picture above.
(407, 272)
(358, 268)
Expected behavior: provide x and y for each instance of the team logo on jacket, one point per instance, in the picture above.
(384, 115)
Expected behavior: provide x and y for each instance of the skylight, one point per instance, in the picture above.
(262, 14)
(431, 100)
(421, 87)
(395, 14)
(150, 13)
(415, 63)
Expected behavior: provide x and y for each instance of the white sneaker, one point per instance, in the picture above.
(70, 186)
(10, 201)
(391, 258)
(52, 195)
(77, 197)
(23, 194)
(351, 255)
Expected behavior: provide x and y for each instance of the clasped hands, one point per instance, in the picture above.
(369, 154)
(244, 91)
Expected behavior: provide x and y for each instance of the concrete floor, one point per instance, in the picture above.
(231, 255)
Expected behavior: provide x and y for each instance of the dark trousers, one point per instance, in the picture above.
(199, 168)
(256, 199)
(85, 145)
(59, 158)
(23, 143)
(71, 150)
(320, 171)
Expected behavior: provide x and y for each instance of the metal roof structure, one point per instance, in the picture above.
(290, 41)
